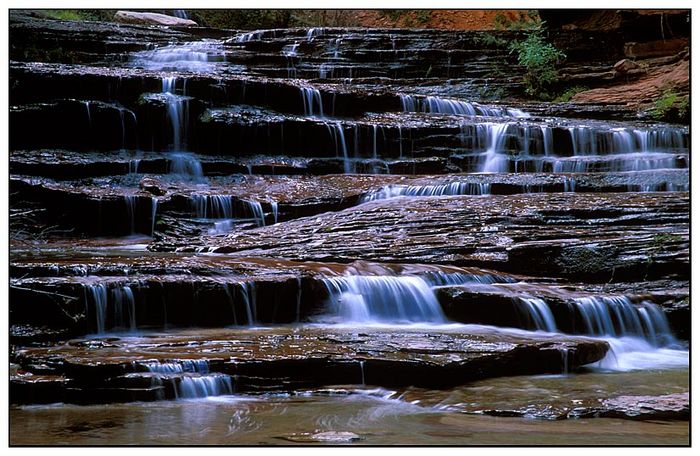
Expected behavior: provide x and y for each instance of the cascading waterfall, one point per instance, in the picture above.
(224, 207)
(314, 32)
(538, 313)
(120, 298)
(177, 112)
(130, 202)
(98, 294)
(194, 387)
(212, 206)
(452, 188)
(196, 382)
(440, 278)
(256, 210)
(312, 101)
(335, 130)
(185, 164)
(274, 207)
(134, 165)
(438, 105)
(494, 160)
(154, 210)
(388, 299)
(616, 316)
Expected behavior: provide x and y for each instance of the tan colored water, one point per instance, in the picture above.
(368, 418)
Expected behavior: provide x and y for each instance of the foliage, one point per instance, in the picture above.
(526, 20)
(539, 59)
(569, 93)
(79, 14)
(489, 40)
(410, 18)
(248, 19)
(321, 18)
(669, 105)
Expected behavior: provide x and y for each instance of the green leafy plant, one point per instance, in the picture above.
(526, 20)
(489, 40)
(539, 59)
(670, 104)
(569, 93)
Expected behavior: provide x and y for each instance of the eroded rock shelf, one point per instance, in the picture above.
(303, 211)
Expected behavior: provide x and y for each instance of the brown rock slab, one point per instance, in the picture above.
(133, 17)
(315, 356)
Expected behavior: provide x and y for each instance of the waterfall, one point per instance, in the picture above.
(154, 210)
(248, 294)
(616, 316)
(389, 299)
(538, 313)
(335, 130)
(255, 209)
(120, 298)
(594, 141)
(89, 117)
(193, 387)
(124, 308)
(312, 101)
(439, 105)
(185, 164)
(197, 381)
(452, 188)
(134, 165)
(314, 32)
(274, 206)
(290, 50)
(212, 206)
(197, 57)
(98, 294)
(130, 202)
(495, 160)
(181, 13)
(200, 366)
(177, 112)
(440, 278)
(547, 142)
(569, 184)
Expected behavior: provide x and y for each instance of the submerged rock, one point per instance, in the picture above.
(667, 407)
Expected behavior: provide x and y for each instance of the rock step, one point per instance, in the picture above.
(79, 298)
(137, 203)
(244, 131)
(434, 358)
(599, 237)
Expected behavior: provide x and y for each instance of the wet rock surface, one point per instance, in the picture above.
(194, 189)
(279, 358)
(566, 235)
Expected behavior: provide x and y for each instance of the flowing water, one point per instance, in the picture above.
(202, 399)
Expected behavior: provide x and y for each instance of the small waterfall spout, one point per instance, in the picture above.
(312, 101)
(452, 188)
(538, 313)
(120, 298)
(200, 386)
(388, 299)
(616, 316)
(186, 165)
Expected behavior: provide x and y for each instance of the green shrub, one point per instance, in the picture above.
(539, 59)
(526, 20)
(569, 93)
(670, 106)
(489, 40)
